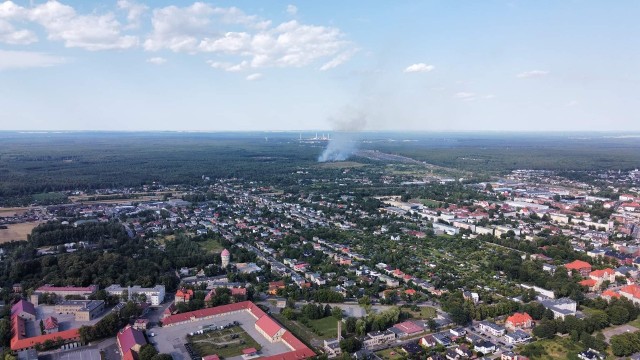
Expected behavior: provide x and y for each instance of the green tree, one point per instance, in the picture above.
(147, 352)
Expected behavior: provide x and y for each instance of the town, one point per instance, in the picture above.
(527, 265)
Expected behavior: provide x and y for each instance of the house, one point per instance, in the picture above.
(442, 339)
(269, 328)
(332, 348)
(471, 296)
(427, 341)
(463, 351)
(631, 292)
(130, 339)
(590, 284)
(50, 325)
(376, 338)
(492, 328)
(485, 347)
(184, 295)
(510, 355)
(582, 267)
(519, 321)
(411, 348)
(517, 337)
(561, 307)
(458, 332)
(451, 354)
(274, 286)
(601, 276)
(610, 294)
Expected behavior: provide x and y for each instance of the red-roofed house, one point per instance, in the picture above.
(582, 267)
(184, 295)
(20, 341)
(211, 357)
(239, 293)
(519, 321)
(600, 276)
(50, 325)
(610, 294)
(590, 283)
(249, 351)
(130, 355)
(130, 339)
(274, 286)
(269, 328)
(631, 292)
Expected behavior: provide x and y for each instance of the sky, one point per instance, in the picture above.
(424, 65)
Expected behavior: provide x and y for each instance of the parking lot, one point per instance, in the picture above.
(172, 339)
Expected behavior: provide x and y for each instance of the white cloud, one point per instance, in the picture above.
(532, 74)
(10, 35)
(157, 60)
(27, 59)
(134, 12)
(90, 32)
(573, 103)
(254, 77)
(466, 96)
(419, 67)
(338, 60)
(227, 66)
(292, 10)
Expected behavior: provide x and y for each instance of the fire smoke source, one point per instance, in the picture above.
(344, 142)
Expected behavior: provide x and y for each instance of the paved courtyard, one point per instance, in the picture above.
(171, 339)
(608, 333)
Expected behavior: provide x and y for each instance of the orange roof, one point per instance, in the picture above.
(410, 292)
(611, 294)
(268, 325)
(577, 265)
(633, 290)
(19, 340)
(588, 283)
(519, 318)
(602, 273)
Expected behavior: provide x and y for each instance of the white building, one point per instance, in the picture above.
(155, 295)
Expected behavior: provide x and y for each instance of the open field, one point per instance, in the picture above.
(211, 245)
(16, 231)
(558, 348)
(327, 327)
(426, 312)
(224, 343)
(12, 211)
(300, 331)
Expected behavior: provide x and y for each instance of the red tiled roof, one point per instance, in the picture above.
(211, 357)
(519, 318)
(130, 337)
(130, 355)
(408, 327)
(19, 341)
(611, 294)
(588, 283)
(238, 292)
(50, 323)
(633, 290)
(577, 265)
(268, 325)
(602, 273)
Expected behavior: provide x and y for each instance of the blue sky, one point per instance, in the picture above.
(354, 65)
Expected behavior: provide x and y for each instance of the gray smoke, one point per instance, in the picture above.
(344, 141)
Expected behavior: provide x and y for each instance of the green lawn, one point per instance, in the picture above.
(211, 245)
(635, 323)
(557, 348)
(390, 354)
(425, 312)
(224, 343)
(297, 329)
(326, 328)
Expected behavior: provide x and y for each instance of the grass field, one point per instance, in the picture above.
(327, 327)
(300, 331)
(426, 312)
(635, 323)
(427, 202)
(225, 343)
(211, 245)
(390, 354)
(16, 231)
(558, 348)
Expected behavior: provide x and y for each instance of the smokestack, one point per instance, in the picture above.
(339, 330)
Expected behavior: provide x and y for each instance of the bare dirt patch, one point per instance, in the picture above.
(16, 232)
(9, 212)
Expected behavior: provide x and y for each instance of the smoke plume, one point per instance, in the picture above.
(344, 141)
